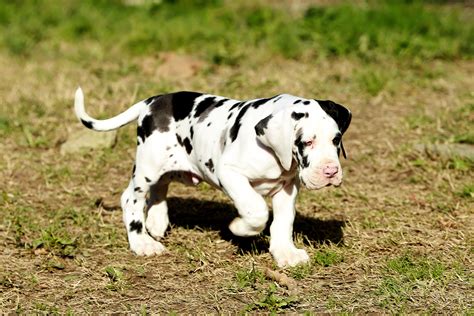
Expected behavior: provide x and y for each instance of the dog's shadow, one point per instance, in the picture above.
(194, 213)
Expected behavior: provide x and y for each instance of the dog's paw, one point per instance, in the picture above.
(144, 245)
(156, 223)
(240, 228)
(289, 256)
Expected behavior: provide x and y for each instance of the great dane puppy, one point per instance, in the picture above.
(248, 149)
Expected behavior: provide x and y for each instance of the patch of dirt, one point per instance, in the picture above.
(171, 66)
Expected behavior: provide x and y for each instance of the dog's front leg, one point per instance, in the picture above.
(281, 230)
(251, 206)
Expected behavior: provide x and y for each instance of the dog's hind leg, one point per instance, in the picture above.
(133, 203)
(157, 216)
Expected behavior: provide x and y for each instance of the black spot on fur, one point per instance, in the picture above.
(147, 180)
(236, 105)
(180, 141)
(229, 116)
(159, 117)
(203, 105)
(187, 145)
(337, 139)
(297, 101)
(220, 103)
(148, 125)
(183, 103)
(150, 99)
(301, 157)
(140, 134)
(136, 226)
(210, 165)
(276, 99)
(87, 124)
(257, 103)
(234, 130)
(137, 189)
(262, 125)
(306, 102)
(134, 168)
(298, 116)
(208, 124)
(134, 201)
(191, 132)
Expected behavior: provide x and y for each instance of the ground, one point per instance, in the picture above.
(396, 237)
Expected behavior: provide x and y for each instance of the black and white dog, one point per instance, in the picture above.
(248, 149)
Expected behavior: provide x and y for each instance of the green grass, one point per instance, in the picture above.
(248, 278)
(116, 278)
(467, 191)
(401, 29)
(57, 241)
(407, 273)
(272, 302)
(327, 258)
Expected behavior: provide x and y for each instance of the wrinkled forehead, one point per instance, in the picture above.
(315, 122)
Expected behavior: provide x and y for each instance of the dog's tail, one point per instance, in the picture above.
(115, 122)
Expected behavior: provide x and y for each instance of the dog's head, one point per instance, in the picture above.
(310, 134)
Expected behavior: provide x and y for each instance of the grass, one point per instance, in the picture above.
(407, 274)
(404, 29)
(271, 302)
(395, 238)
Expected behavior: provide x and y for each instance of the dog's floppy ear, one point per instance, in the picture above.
(276, 132)
(340, 114)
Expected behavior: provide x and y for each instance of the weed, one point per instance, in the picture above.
(116, 278)
(53, 265)
(272, 302)
(412, 269)
(326, 258)
(417, 121)
(461, 164)
(419, 162)
(46, 309)
(467, 191)
(465, 138)
(406, 273)
(57, 241)
(301, 272)
(372, 81)
(249, 278)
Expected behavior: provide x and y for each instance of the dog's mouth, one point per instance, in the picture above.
(320, 185)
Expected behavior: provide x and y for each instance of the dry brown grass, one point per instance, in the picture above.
(396, 204)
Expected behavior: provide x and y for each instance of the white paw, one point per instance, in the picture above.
(144, 245)
(289, 256)
(157, 222)
(240, 228)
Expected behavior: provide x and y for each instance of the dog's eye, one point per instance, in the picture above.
(337, 140)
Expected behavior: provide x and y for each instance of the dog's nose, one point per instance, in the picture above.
(330, 170)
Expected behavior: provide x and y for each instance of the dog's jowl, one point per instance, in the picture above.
(248, 149)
